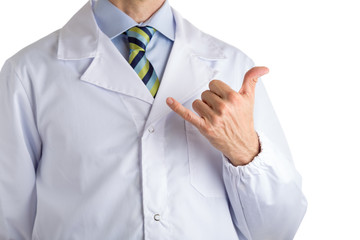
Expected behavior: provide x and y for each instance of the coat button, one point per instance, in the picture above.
(151, 129)
(157, 217)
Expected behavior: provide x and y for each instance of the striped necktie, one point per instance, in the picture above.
(138, 38)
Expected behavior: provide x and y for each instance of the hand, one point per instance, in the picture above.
(226, 117)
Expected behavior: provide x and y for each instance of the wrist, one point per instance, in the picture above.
(246, 156)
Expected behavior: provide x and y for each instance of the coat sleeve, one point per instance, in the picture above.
(20, 149)
(265, 196)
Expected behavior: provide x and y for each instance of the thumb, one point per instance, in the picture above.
(251, 78)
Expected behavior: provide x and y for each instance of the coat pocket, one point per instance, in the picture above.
(205, 163)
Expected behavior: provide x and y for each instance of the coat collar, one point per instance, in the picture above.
(80, 37)
(187, 70)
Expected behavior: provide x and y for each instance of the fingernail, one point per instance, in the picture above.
(169, 101)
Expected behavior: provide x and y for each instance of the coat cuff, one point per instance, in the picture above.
(257, 165)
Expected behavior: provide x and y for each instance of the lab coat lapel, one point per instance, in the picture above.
(188, 69)
(81, 38)
(111, 71)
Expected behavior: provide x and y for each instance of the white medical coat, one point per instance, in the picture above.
(87, 153)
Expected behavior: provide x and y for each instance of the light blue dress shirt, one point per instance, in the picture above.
(113, 22)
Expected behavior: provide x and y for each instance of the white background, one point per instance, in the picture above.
(312, 48)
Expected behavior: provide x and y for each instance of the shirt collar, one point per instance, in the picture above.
(113, 22)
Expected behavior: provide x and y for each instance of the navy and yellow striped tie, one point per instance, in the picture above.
(138, 38)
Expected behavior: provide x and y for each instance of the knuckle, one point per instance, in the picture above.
(196, 103)
(176, 107)
(242, 91)
(208, 131)
(187, 116)
(204, 94)
(233, 96)
(245, 94)
(222, 108)
(216, 120)
(212, 83)
(252, 81)
(215, 84)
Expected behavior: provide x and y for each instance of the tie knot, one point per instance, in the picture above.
(139, 37)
